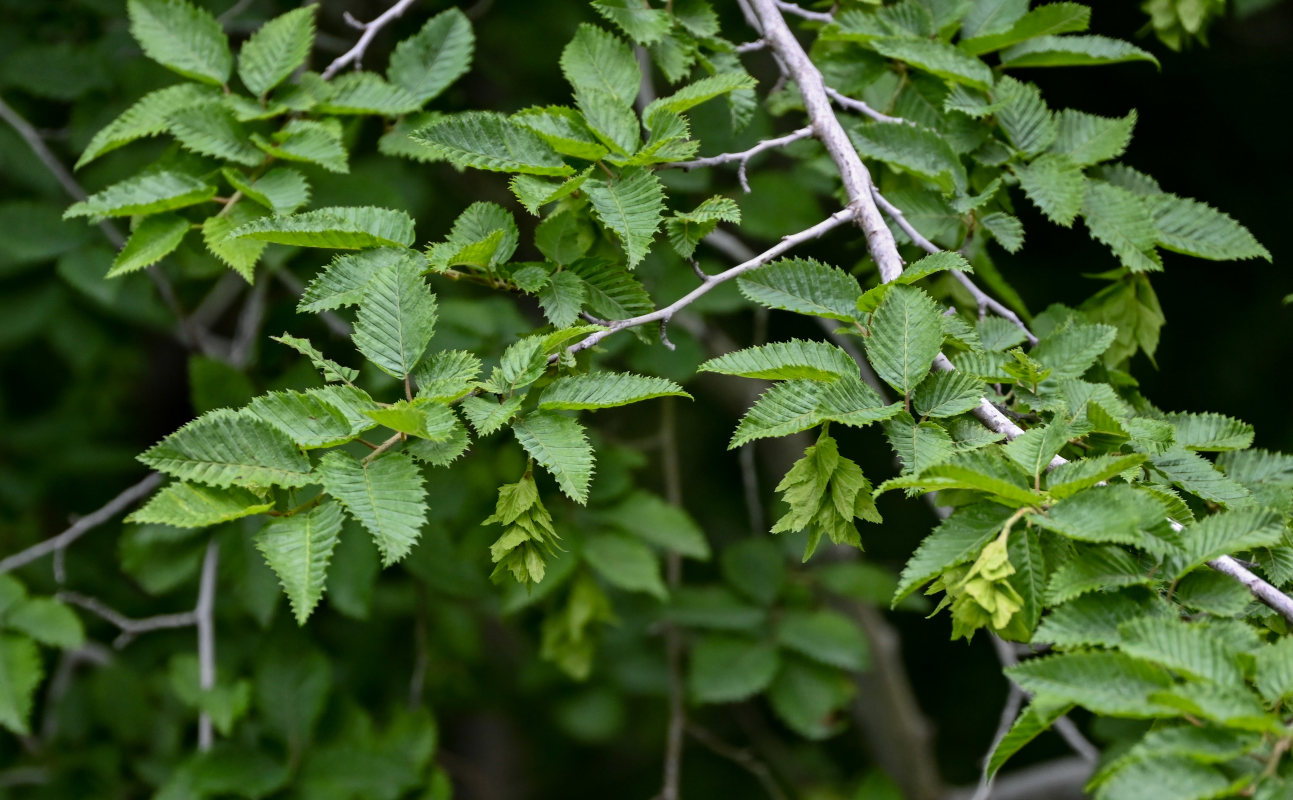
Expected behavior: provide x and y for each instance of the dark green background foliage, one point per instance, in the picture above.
(415, 677)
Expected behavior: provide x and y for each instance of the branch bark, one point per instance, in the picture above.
(205, 620)
(355, 55)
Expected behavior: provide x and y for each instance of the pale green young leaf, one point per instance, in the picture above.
(307, 141)
(421, 418)
(210, 130)
(626, 563)
(1055, 184)
(670, 140)
(906, 334)
(1196, 475)
(309, 420)
(629, 206)
(980, 470)
(47, 621)
(803, 286)
(340, 228)
(274, 51)
(1094, 569)
(396, 318)
(562, 298)
(181, 37)
(1197, 229)
(1071, 478)
(426, 63)
(1024, 117)
(726, 669)
(641, 24)
(149, 116)
(919, 151)
(491, 141)
(488, 416)
(226, 448)
(565, 130)
(1093, 619)
(343, 281)
(957, 540)
(560, 445)
(484, 235)
(936, 58)
(523, 362)
(1053, 18)
(1211, 432)
(1189, 649)
(918, 445)
(596, 58)
(298, 549)
(282, 190)
(798, 405)
(150, 193)
(20, 674)
(446, 375)
(796, 358)
(386, 495)
(1089, 139)
(1032, 722)
(1072, 51)
(188, 505)
(651, 519)
(1106, 683)
(933, 264)
(605, 390)
(825, 636)
(701, 91)
(240, 255)
(807, 697)
(152, 240)
(441, 453)
(534, 192)
(946, 394)
(686, 230)
(825, 492)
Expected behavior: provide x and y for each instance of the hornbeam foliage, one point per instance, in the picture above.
(1079, 516)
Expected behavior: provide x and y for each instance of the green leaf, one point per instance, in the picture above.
(827, 637)
(181, 37)
(1088, 139)
(605, 390)
(1189, 649)
(421, 418)
(483, 236)
(426, 63)
(47, 621)
(651, 519)
(1055, 184)
(1119, 514)
(714, 608)
(937, 58)
(343, 281)
(1166, 778)
(1006, 229)
(906, 334)
(149, 116)
(1121, 220)
(598, 59)
(1199, 230)
(307, 141)
(980, 470)
(686, 230)
(1106, 683)
(155, 238)
(144, 194)
(933, 264)
(920, 151)
(1274, 675)
(367, 93)
(1044, 20)
(641, 24)
(535, 193)
(227, 448)
(332, 371)
(1027, 726)
(796, 358)
(992, 16)
(386, 495)
(612, 292)
(491, 141)
(1094, 569)
(798, 405)
(488, 416)
(755, 567)
(825, 491)
(918, 446)
(613, 123)
(188, 505)
(298, 549)
(1093, 619)
(1071, 478)
(340, 228)
(560, 445)
(803, 286)
(1072, 51)
(1211, 432)
(1196, 475)
(20, 674)
(807, 697)
(566, 131)
(527, 532)
(281, 190)
(693, 94)
(625, 563)
(946, 394)
(562, 298)
(396, 319)
(1228, 532)
(630, 207)
(1024, 116)
(308, 420)
(441, 453)
(274, 51)
(211, 130)
(727, 669)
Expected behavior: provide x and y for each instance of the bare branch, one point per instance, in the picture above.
(673, 639)
(204, 613)
(751, 47)
(130, 627)
(355, 55)
(1061, 779)
(849, 103)
(744, 156)
(83, 525)
(799, 11)
(739, 756)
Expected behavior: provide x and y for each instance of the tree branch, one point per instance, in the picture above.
(355, 55)
(673, 639)
(130, 628)
(1061, 779)
(204, 614)
(83, 525)
(744, 156)
(862, 108)
(799, 11)
(739, 756)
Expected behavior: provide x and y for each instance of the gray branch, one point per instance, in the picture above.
(800, 11)
(355, 55)
(844, 101)
(743, 157)
(130, 627)
(204, 614)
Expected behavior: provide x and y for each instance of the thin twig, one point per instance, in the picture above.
(83, 525)
(355, 55)
(744, 156)
(800, 11)
(739, 756)
(862, 108)
(673, 638)
(249, 323)
(752, 47)
(129, 627)
(205, 620)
